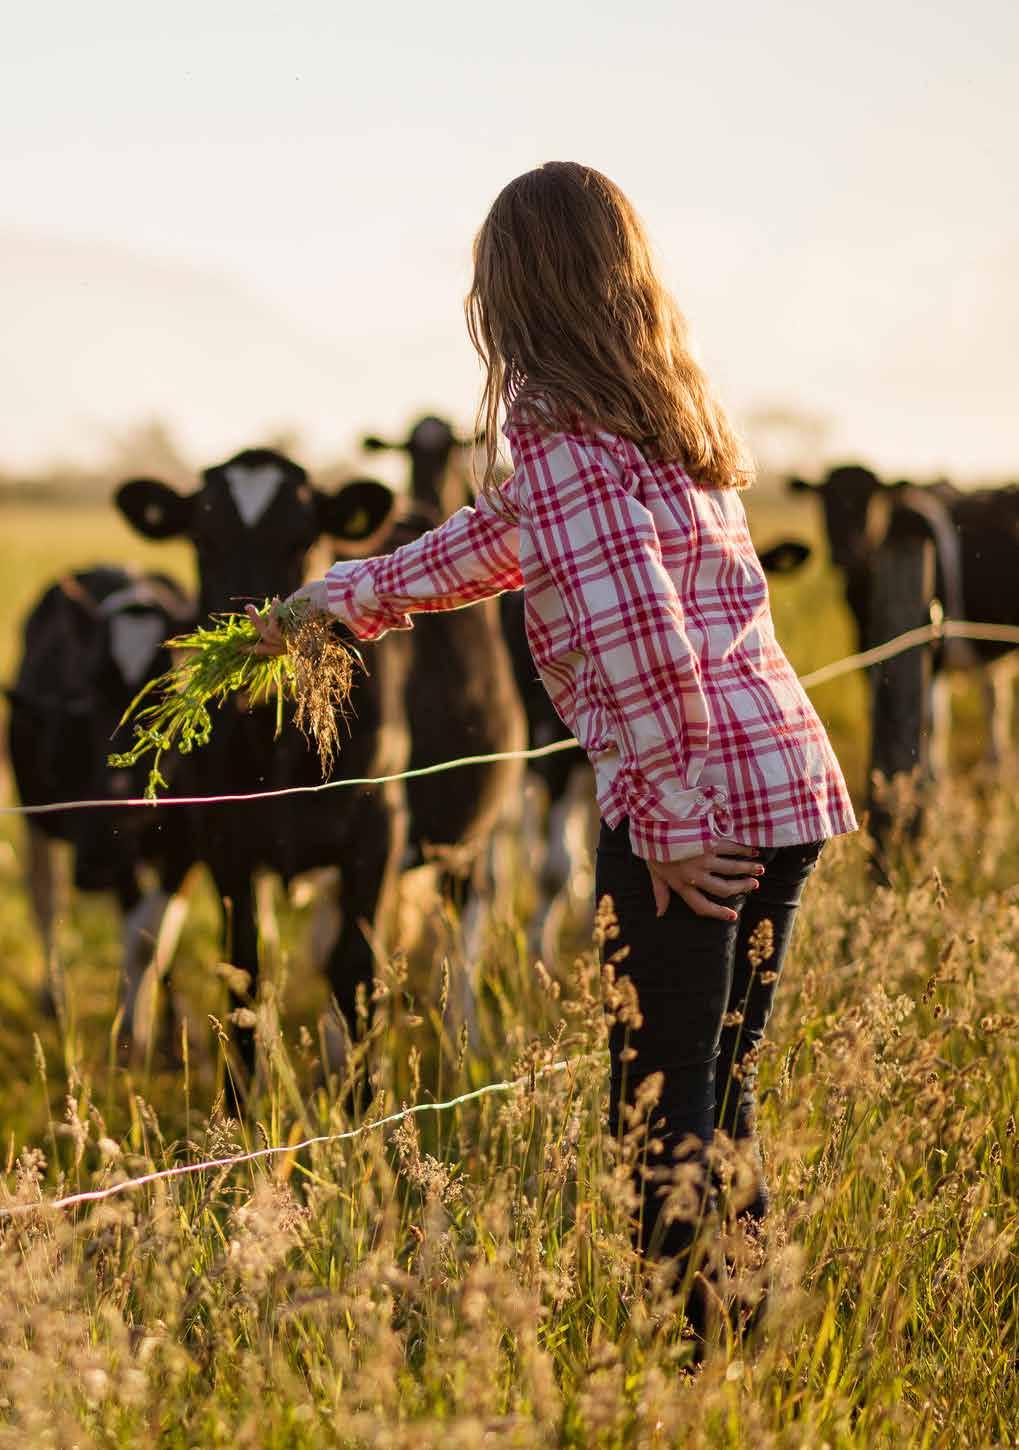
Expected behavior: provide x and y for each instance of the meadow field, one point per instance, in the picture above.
(465, 1279)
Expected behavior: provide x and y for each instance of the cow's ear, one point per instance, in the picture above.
(799, 485)
(477, 440)
(372, 444)
(155, 509)
(355, 511)
(786, 557)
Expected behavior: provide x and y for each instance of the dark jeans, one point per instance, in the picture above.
(689, 972)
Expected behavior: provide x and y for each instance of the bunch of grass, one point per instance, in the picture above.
(174, 711)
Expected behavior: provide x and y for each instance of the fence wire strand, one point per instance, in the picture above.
(864, 659)
(208, 1165)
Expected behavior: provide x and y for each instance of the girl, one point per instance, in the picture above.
(648, 618)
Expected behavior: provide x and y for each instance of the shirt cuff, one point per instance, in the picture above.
(351, 594)
(700, 819)
(671, 840)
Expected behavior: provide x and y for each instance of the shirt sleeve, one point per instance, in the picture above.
(472, 556)
(601, 549)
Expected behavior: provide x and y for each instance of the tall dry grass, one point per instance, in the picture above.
(466, 1279)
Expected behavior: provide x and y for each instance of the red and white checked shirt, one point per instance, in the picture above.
(648, 618)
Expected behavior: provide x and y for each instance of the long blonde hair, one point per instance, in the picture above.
(567, 312)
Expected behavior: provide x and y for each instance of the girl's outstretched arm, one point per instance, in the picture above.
(472, 556)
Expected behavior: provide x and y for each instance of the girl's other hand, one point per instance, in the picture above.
(726, 870)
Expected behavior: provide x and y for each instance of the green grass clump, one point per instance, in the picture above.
(174, 711)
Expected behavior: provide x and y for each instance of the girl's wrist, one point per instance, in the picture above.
(310, 598)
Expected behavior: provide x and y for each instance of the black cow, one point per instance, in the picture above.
(856, 508)
(252, 521)
(461, 695)
(975, 536)
(90, 643)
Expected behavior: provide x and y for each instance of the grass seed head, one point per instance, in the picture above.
(322, 679)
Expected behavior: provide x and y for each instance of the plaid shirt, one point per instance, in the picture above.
(648, 618)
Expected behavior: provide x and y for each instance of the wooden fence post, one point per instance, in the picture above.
(902, 587)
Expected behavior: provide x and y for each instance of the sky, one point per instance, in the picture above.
(242, 216)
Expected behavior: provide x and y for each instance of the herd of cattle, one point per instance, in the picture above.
(460, 683)
(911, 557)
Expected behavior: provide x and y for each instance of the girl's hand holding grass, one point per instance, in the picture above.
(287, 650)
(309, 599)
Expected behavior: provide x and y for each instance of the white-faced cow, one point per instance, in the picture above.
(974, 538)
(91, 642)
(461, 694)
(252, 521)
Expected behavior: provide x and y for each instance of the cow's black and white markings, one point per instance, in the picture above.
(90, 643)
(253, 486)
(252, 521)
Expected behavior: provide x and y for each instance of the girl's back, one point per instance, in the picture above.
(707, 549)
(648, 617)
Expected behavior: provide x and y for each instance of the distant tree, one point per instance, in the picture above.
(148, 449)
(786, 439)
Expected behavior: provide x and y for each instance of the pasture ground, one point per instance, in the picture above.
(466, 1280)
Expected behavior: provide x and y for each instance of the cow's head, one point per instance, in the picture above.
(133, 624)
(252, 522)
(99, 638)
(853, 498)
(430, 446)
